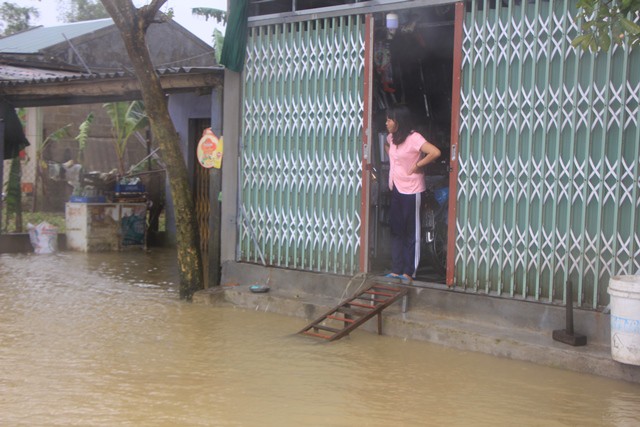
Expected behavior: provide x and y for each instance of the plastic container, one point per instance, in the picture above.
(87, 199)
(130, 188)
(392, 21)
(625, 319)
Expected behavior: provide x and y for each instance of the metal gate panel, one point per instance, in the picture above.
(548, 188)
(302, 145)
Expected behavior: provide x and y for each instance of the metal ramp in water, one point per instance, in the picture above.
(341, 320)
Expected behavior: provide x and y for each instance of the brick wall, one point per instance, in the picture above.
(100, 152)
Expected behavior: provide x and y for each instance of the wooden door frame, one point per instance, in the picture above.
(455, 141)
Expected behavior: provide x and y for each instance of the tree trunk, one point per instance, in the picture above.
(133, 23)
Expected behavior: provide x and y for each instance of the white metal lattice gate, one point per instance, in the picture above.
(300, 172)
(548, 187)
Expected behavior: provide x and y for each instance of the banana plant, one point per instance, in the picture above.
(126, 119)
(220, 16)
(83, 136)
(217, 14)
(57, 135)
(54, 136)
(41, 164)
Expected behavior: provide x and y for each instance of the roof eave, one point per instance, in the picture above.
(121, 86)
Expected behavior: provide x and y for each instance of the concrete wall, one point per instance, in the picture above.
(232, 130)
(20, 243)
(436, 300)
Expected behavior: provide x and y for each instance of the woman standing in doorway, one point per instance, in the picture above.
(408, 152)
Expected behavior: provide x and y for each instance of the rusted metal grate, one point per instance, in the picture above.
(203, 209)
(350, 314)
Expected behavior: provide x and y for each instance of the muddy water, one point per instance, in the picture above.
(102, 339)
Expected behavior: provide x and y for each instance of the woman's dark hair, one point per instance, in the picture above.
(402, 116)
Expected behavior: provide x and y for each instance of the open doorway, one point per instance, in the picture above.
(413, 66)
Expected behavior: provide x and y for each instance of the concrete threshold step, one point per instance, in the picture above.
(295, 304)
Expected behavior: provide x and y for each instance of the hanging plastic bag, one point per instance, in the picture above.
(44, 237)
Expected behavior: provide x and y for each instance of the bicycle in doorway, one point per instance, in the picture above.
(434, 223)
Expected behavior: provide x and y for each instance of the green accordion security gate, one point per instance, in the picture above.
(301, 161)
(549, 151)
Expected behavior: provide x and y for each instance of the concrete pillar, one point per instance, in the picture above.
(231, 124)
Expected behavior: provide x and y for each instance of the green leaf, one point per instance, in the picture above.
(83, 132)
(579, 40)
(207, 12)
(126, 118)
(56, 135)
(629, 26)
(218, 38)
(586, 5)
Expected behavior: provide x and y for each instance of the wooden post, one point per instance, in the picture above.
(454, 165)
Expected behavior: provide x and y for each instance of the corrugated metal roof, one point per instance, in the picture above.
(16, 73)
(34, 40)
(32, 77)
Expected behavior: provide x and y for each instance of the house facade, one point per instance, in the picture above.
(60, 74)
(541, 143)
(73, 55)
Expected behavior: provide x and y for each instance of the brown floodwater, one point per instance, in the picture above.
(102, 339)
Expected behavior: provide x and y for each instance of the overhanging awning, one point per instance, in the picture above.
(235, 37)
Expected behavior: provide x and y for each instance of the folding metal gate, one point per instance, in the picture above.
(300, 171)
(548, 188)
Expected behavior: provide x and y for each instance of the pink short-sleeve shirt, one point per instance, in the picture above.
(401, 159)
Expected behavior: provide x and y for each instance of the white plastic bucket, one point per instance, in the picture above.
(625, 318)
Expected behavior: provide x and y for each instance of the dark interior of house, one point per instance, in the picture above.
(413, 65)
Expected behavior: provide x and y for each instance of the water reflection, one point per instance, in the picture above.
(102, 339)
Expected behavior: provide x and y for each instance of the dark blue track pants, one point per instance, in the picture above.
(404, 219)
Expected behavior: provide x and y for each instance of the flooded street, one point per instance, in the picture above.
(102, 339)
